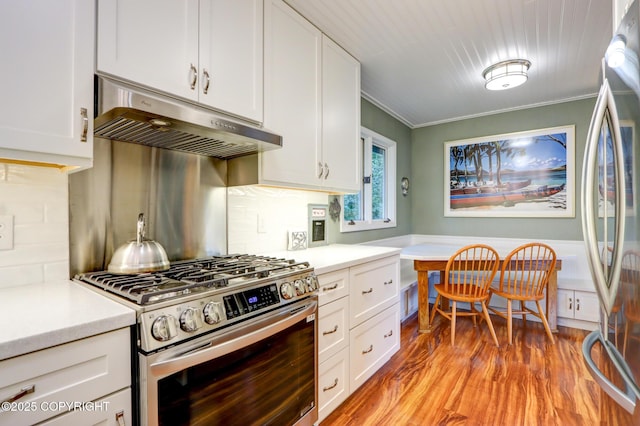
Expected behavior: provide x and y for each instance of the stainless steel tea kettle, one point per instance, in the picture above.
(139, 255)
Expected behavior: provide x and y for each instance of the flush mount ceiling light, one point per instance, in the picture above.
(506, 75)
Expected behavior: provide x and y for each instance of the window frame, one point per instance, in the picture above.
(368, 139)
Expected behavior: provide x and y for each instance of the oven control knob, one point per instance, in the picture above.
(164, 328)
(312, 283)
(213, 312)
(300, 287)
(287, 291)
(190, 320)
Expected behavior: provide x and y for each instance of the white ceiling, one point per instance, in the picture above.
(422, 60)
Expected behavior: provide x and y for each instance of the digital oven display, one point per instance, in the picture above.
(248, 301)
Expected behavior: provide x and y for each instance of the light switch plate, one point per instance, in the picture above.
(6, 232)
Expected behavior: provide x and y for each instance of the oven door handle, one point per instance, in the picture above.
(234, 339)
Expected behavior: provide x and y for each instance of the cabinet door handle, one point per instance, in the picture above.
(388, 282)
(333, 287)
(366, 351)
(577, 304)
(326, 171)
(570, 304)
(367, 291)
(21, 393)
(335, 383)
(120, 418)
(205, 76)
(335, 328)
(85, 124)
(321, 168)
(389, 334)
(193, 76)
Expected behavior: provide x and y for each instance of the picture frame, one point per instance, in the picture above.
(522, 174)
(627, 132)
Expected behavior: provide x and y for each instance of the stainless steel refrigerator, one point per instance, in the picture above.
(611, 226)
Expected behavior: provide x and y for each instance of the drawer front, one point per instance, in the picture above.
(333, 383)
(333, 327)
(111, 410)
(76, 372)
(374, 286)
(371, 345)
(333, 286)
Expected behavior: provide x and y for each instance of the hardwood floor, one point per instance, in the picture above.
(428, 382)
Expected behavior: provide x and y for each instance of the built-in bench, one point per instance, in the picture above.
(574, 279)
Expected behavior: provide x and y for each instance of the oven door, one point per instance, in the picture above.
(263, 371)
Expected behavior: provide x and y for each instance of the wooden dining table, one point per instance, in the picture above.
(433, 257)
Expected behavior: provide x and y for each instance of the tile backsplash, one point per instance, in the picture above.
(37, 198)
(259, 218)
(258, 221)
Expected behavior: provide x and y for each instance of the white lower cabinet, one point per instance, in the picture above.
(333, 328)
(371, 345)
(333, 383)
(83, 382)
(580, 305)
(358, 327)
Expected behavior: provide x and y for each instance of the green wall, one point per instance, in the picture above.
(380, 122)
(427, 173)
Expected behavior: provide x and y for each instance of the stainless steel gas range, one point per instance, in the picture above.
(222, 340)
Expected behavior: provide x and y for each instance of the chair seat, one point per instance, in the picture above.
(440, 288)
(514, 296)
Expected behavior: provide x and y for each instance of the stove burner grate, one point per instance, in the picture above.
(191, 276)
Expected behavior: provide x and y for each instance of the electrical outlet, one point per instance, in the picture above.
(6, 232)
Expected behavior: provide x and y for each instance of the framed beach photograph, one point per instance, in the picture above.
(523, 174)
(627, 132)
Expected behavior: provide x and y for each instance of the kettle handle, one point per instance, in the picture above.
(140, 229)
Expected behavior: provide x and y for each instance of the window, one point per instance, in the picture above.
(374, 207)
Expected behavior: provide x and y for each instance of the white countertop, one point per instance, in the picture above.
(440, 251)
(429, 251)
(332, 257)
(39, 316)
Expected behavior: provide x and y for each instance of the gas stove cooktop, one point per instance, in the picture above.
(197, 297)
(190, 277)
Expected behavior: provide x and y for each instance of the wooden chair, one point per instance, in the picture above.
(630, 281)
(467, 278)
(524, 277)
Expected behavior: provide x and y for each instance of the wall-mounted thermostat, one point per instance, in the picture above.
(318, 219)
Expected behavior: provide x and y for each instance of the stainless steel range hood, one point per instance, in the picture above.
(131, 114)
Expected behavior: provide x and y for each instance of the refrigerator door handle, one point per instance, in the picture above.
(626, 399)
(606, 287)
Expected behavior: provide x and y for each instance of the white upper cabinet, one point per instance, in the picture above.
(206, 51)
(340, 118)
(46, 81)
(293, 49)
(312, 99)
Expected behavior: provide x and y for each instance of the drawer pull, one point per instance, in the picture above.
(24, 391)
(389, 334)
(367, 291)
(120, 418)
(335, 328)
(366, 351)
(335, 383)
(388, 282)
(333, 287)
